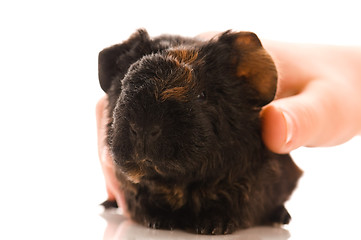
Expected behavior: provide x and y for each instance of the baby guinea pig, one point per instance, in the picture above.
(184, 132)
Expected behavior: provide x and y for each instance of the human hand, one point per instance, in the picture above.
(318, 97)
(317, 102)
(106, 161)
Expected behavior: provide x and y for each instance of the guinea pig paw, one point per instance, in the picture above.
(281, 215)
(109, 204)
(157, 223)
(215, 227)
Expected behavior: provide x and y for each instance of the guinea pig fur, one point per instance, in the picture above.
(184, 132)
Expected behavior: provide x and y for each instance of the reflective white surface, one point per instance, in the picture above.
(120, 228)
(50, 178)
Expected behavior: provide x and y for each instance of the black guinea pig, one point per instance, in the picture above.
(184, 132)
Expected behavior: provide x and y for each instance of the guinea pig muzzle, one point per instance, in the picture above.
(144, 138)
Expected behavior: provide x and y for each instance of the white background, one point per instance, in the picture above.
(50, 179)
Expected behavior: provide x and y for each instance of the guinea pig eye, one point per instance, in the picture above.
(202, 96)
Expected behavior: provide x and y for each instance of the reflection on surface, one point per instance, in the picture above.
(119, 227)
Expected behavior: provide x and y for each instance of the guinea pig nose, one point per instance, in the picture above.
(154, 132)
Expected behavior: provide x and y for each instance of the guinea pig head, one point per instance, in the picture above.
(181, 111)
(159, 128)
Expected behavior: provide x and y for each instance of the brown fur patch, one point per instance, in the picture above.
(181, 83)
(135, 177)
(176, 93)
(174, 195)
(186, 56)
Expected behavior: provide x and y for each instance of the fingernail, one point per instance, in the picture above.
(289, 125)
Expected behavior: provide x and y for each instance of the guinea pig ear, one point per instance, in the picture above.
(116, 59)
(253, 65)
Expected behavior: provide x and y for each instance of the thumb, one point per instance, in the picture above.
(312, 118)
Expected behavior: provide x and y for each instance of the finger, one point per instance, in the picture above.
(311, 118)
(106, 160)
(100, 119)
(103, 151)
(294, 67)
(274, 128)
(109, 174)
(207, 35)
